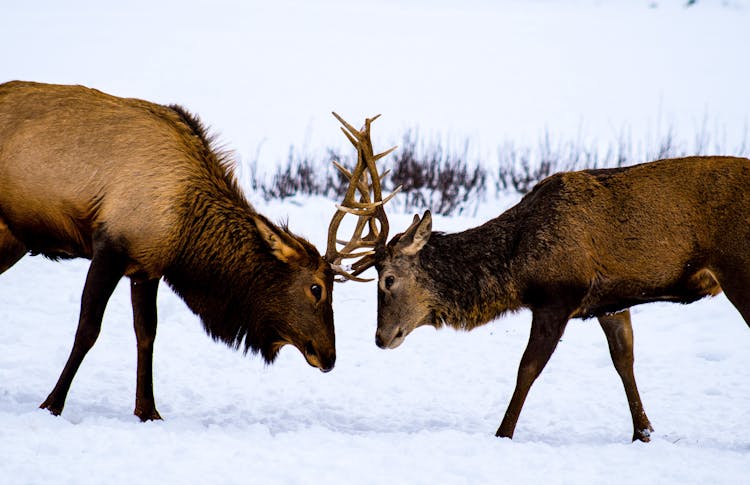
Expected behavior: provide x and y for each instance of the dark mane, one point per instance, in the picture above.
(217, 160)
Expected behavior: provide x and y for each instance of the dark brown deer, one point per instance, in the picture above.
(583, 244)
(138, 189)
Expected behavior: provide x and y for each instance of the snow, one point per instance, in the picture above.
(267, 76)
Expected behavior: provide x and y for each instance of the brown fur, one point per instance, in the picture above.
(579, 245)
(138, 189)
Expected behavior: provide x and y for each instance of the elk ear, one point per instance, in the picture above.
(284, 247)
(417, 235)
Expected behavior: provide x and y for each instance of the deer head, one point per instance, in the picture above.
(404, 302)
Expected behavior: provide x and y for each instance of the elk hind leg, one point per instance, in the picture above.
(546, 330)
(106, 269)
(143, 297)
(619, 331)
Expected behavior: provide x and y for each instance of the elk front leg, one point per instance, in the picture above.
(143, 297)
(619, 332)
(11, 249)
(546, 329)
(106, 269)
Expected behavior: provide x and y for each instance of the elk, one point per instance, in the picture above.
(584, 244)
(139, 190)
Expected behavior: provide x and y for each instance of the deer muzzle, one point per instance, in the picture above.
(389, 338)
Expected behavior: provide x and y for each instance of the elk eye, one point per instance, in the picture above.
(317, 292)
(389, 282)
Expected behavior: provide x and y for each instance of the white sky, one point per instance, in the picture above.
(265, 75)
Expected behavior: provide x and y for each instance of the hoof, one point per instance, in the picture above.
(643, 435)
(53, 409)
(504, 434)
(152, 415)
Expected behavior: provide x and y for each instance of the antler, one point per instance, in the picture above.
(365, 180)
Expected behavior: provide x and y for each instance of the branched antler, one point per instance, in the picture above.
(365, 181)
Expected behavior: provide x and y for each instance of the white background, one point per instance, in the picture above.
(266, 77)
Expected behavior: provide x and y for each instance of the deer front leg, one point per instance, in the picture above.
(143, 297)
(106, 269)
(546, 329)
(619, 332)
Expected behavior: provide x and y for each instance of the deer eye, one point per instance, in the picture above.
(388, 282)
(317, 292)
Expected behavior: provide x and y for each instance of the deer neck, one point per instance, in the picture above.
(471, 274)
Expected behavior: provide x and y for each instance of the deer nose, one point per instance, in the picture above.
(387, 342)
(379, 341)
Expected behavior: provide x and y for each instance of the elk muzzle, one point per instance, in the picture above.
(323, 360)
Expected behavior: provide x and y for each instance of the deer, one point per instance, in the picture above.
(583, 244)
(140, 190)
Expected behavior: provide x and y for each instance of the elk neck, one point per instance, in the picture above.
(470, 273)
(223, 271)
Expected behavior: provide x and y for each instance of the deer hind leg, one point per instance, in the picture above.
(11, 249)
(735, 281)
(106, 269)
(619, 331)
(143, 297)
(546, 330)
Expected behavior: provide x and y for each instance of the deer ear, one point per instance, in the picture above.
(284, 247)
(417, 235)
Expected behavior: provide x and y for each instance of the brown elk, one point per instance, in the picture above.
(138, 189)
(581, 244)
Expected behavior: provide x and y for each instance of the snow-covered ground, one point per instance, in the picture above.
(266, 77)
(423, 413)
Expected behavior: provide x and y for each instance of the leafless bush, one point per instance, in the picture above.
(519, 169)
(301, 174)
(434, 177)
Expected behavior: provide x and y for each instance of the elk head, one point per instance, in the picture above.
(298, 310)
(404, 301)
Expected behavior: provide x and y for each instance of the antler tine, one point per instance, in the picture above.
(343, 122)
(342, 169)
(348, 276)
(359, 207)
(353, 133)
(361, 185)
(384, 154)
(365, 180)
(356, 242)
(363, 264)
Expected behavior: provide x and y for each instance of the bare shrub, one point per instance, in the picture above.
(442, 179)
(301, 174)
(434, 177)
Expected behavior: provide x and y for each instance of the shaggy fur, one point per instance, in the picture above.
(139, 189)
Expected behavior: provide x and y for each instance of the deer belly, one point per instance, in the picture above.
(613, 296)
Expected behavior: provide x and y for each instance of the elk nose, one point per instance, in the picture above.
(326, 365)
